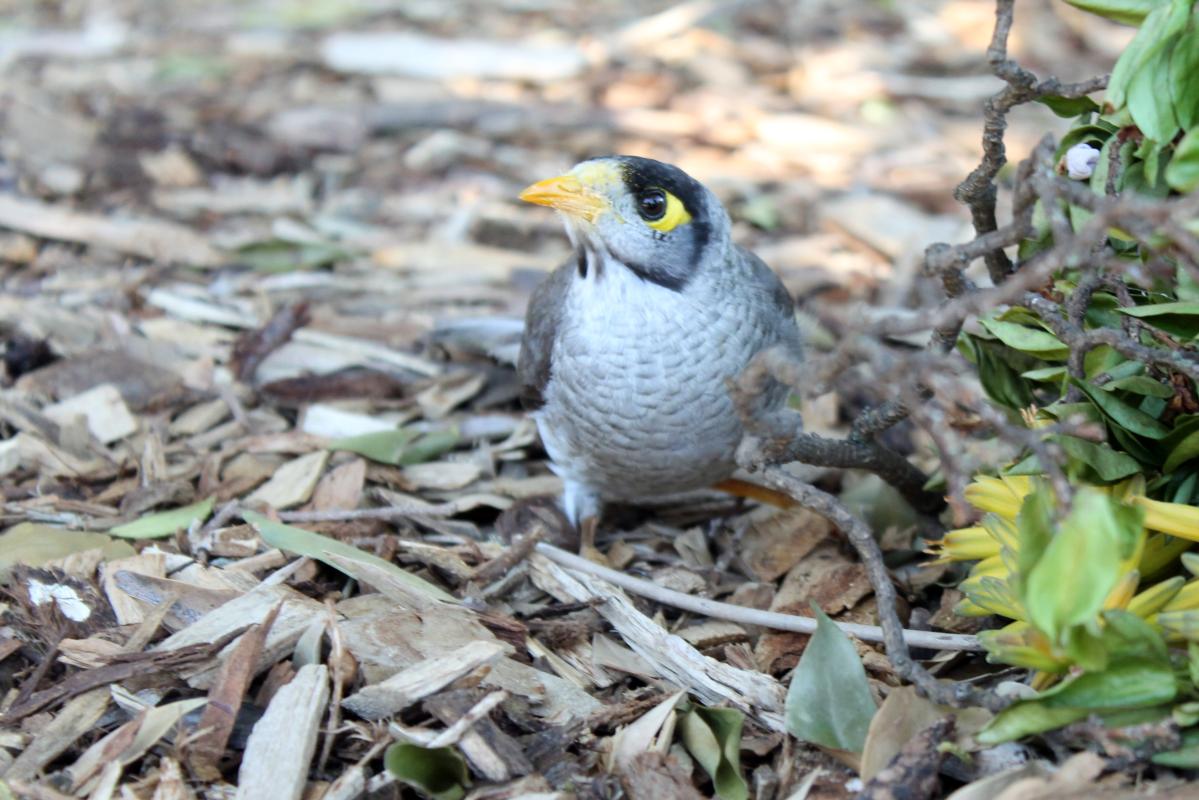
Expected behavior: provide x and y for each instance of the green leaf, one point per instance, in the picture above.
(829, 701)
(1089, 546)
(165, 523)
(1130, 12)
(1127, 685)
(401, 446)
(1124, 415)
(1182, 173)
(1139, 384)
(1034, 527)
(1160, 26)
(1134, 446)
(1027, 340)
(439, 773)
(314, 545)
(278, 255)
(1186, 756)
(1001, 381)
(33, 545)
(1048, 374)
(1152, 165)
(1108, 464)
(1138, 675)
(1149, 100)
(713, 738)
(1184, 75)
(1182, 452)
(1180, 318)
(1069, 106)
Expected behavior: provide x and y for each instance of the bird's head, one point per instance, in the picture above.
(652, 218)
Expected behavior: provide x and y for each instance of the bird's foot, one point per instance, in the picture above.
(533, 513)
(587, 548)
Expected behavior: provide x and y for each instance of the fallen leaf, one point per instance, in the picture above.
(36, 545)
(165, 523)
(829, 701)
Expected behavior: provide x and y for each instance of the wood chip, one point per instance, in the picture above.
(253, 607)
(279, 751)
(216, 723)
(421, 680)
(108, 418)
(74, 720)
(713, 682)
(293, 483)
(128, 610)
(152, 239)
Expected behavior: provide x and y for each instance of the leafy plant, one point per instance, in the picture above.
(1088, 556)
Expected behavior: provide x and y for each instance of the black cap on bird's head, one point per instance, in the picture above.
(651, 217)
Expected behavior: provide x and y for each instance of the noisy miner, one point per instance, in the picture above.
(627, 347)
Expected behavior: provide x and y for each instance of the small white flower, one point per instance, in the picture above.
(1080, 161)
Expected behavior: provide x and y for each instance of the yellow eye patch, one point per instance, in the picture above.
(674, 216)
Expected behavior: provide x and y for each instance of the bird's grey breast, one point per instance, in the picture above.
(637, 403)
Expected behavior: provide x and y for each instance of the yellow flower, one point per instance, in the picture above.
(1122, 593)
(1156, 597)
(1160, 552)
(993, 588)
(1185, 599)
(1023, 645)
(964, 544)
(1002, 495)
(1180, 624)
(1175, 519)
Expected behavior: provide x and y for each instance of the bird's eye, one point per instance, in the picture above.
(661, 210)
(652, 204)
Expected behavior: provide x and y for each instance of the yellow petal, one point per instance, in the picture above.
(1001, 496)
(965, 544)
(1175, 519)
(1160, 551)
(1122, 592)
(1002, 530)
(1156, 597)
(993, 567)
(1042, 680)
(1180, 624)
(1022, 645)
(1185, 599)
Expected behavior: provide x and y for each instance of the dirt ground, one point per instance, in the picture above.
(175, 174)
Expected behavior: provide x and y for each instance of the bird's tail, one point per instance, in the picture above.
(752, 491)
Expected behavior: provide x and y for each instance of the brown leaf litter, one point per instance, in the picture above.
(224, 267)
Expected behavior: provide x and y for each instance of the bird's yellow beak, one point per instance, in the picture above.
(567, 194)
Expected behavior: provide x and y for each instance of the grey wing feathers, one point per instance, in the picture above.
(772, 286)
(537, 345)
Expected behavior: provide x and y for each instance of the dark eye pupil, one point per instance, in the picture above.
(653, 205)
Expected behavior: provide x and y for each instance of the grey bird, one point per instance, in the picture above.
(627, 347)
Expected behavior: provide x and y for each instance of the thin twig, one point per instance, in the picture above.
(749, 616)
(893, 635)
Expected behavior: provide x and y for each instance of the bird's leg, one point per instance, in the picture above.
(587, 548)
(581, 504)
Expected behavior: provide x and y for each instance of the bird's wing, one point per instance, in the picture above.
(777, 295)
(541, 326)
